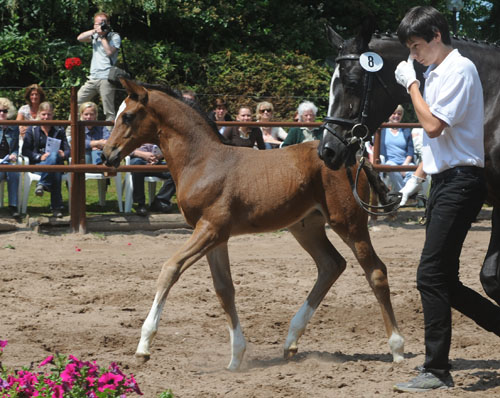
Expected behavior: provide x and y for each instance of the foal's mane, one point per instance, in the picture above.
(193, 104)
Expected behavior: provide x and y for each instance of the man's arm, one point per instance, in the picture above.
(86, 37)
(432, 125)
(108, 48)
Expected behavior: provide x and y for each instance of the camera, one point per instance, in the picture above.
(105, 27)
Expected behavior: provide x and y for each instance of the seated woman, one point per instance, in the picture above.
(9, 147)
(95, 136)
(307, 114)
(34, 148)
(396, 148)
(273, 136)
(34, 96)
(244, 136)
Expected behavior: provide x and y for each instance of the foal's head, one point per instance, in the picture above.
(134, 125)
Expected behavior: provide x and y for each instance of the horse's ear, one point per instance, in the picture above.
(135, 91)
(368, 26)
(334, 38)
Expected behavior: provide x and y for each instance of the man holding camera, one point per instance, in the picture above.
(105, 45)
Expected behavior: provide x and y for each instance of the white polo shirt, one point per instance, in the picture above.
(454, 94)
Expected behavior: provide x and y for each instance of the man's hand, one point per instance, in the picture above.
(411, 187)
(405, 74)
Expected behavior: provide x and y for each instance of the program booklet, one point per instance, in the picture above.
(52, 145)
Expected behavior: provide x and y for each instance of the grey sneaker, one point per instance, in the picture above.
(425, 381)
(39, 190)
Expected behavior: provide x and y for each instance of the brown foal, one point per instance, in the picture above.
(224, 191)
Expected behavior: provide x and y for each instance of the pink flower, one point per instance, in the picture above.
(131, 384)
(3, 343)
(109, 381)
(57, 391)
(69, 374)
(49, 359)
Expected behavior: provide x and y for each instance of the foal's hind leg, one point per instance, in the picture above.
(201, 241)
(311, 234)
(356, 236)
(218, 260)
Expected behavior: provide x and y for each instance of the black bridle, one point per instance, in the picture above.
(358, 134)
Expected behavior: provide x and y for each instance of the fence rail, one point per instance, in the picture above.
(78, 167)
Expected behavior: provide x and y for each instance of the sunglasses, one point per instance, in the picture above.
(4, 111)
(266, 110)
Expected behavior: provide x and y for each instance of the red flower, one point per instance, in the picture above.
(70, 63)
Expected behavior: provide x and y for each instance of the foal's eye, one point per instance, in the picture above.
(127, 118)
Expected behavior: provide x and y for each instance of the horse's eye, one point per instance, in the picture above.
(127, 118)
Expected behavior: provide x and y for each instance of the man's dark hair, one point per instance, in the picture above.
(423, 22)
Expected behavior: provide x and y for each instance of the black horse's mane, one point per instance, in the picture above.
(175, 93)
(455, 37)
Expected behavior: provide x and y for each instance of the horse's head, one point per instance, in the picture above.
(363, 93)
(135, 124)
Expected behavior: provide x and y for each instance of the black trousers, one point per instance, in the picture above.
(165, 193)
(454, 202)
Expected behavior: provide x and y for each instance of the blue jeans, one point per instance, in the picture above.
(397, 179)
(93, 157)
(455, 200)
(52, 182)
(12, 178)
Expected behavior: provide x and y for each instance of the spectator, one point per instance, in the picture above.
(219, 114)
(417, 135)
(150, 154)
(9, 147)
(95, 136)
(243, 135)
(396, 149)
(34, 96)
(35, 142)
(105, 45)
(307, 114)
(189, 95)
(273, 136)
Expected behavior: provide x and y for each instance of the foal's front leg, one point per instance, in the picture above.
(200, 242)
(218, 259)
(310, 233)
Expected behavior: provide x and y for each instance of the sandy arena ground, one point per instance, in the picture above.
(91, 303)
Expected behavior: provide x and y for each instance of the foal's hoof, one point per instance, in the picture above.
(141, 359)
(290, 353)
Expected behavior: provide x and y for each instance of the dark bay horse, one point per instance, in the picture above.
(225, 191)
(358, 107)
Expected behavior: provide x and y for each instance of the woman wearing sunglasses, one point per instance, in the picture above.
(273, 136)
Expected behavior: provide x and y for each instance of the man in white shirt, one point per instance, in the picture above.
(451, 113)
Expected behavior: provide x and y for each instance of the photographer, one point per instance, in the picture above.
(105, 45)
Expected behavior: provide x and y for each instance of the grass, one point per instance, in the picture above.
(39, 206)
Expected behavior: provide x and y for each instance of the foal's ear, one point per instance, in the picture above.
(334, 38)
(135, 91)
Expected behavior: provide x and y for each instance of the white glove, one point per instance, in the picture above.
(405, 74)
(411, 187)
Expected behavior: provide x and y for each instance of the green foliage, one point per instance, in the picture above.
(166, 394)
(285, 80)
(245, 51)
